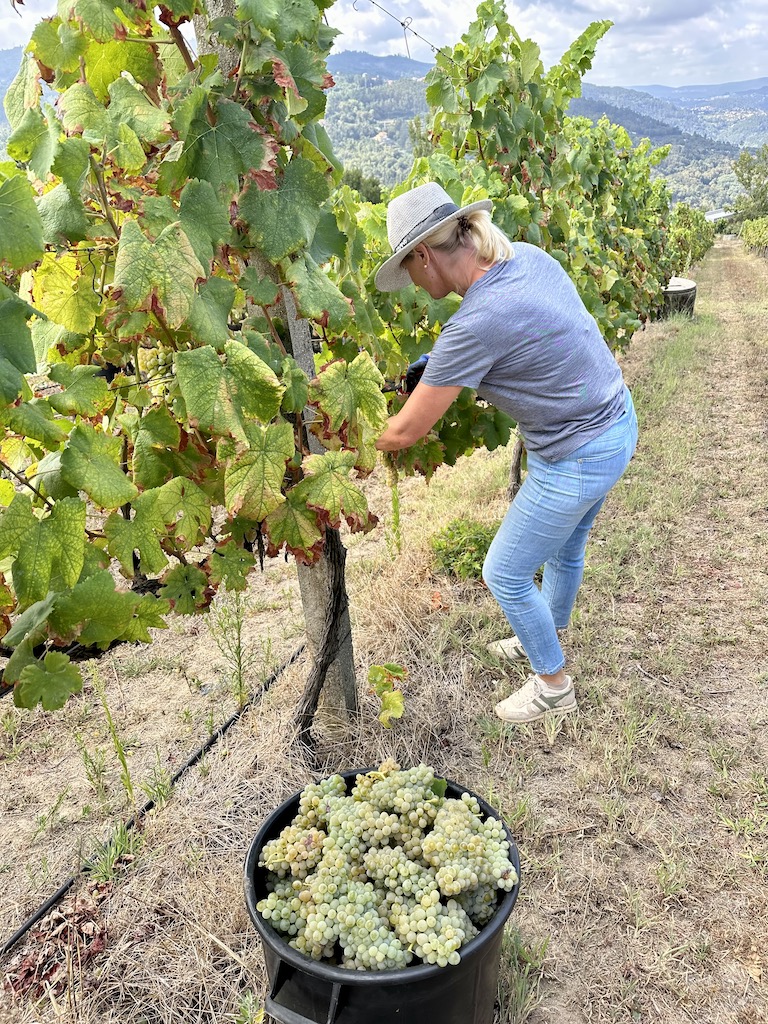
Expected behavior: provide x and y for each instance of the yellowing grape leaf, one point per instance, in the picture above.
(66, 293)
(222, 395)
(85, 393)
(253, 478)
(91, 463)
(328, 490)
(57, 45)
(345, 391)
(49, 682)
(51, 553)
(159, 274)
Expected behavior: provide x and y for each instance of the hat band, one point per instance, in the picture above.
(432, 218)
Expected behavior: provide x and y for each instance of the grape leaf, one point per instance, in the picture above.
(105, 62)
(221, 395)
(296, 527)
(17, 353)
(185, 511)
(125, 149)
(49, 480)
(147, 614)
(94, 612)
(50, 682)
(209, 316)
(160, 274)
(296, 386)
(253, 479)
(30, 625)
(15, 523)
(141, 534)
(72, 163)
(57, 45)
(24, 91)
(218, 153)
(317, 297)
(82, 114)
(284, 20)
(327, 489)
(344, 391)
(230, 564)
(392, 706)
(132, 107)
(204, 219)
(156, 432)
(63, 216)
(85, 392)
(262, 290)
(187, 589)
(65, 292)
(36, 420)
(283, 220)
(51, 554)
(35, 141)
(21, 229)
(91, 462)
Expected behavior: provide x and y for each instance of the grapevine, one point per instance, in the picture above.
(391, 873)
(157, 221)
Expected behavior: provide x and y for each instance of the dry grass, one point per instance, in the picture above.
(642, 822)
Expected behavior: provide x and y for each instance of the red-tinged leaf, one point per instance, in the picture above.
(283, 77)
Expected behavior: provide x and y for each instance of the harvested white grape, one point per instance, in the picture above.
(391, 872)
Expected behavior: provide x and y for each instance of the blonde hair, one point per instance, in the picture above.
(473, 230)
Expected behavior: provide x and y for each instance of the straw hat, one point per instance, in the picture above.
(411, 218)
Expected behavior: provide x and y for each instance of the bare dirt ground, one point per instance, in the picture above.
(642, 822)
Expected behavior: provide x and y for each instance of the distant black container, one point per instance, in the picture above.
(307, 991)
(679, 296)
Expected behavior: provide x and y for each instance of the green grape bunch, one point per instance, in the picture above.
(389, 873)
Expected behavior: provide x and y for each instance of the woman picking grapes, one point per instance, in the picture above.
(524, 341)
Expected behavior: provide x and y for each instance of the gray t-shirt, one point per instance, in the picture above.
(523, 339)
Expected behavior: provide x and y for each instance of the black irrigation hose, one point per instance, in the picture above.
(132, 822)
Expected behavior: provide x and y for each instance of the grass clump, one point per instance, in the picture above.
(461, 546)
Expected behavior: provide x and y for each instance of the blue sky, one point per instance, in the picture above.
(666, 42)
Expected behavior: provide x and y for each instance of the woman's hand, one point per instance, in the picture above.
(417, 417)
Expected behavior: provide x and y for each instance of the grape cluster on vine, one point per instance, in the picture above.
(389, 873)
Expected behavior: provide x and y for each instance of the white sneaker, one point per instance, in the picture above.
(535, 699)
(509, 648)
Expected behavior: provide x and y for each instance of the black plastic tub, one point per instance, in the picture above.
(307, 991)
(679, 297)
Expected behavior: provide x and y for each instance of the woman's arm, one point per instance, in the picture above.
(417, 417)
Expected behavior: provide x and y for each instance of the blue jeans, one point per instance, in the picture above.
(548, 524)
